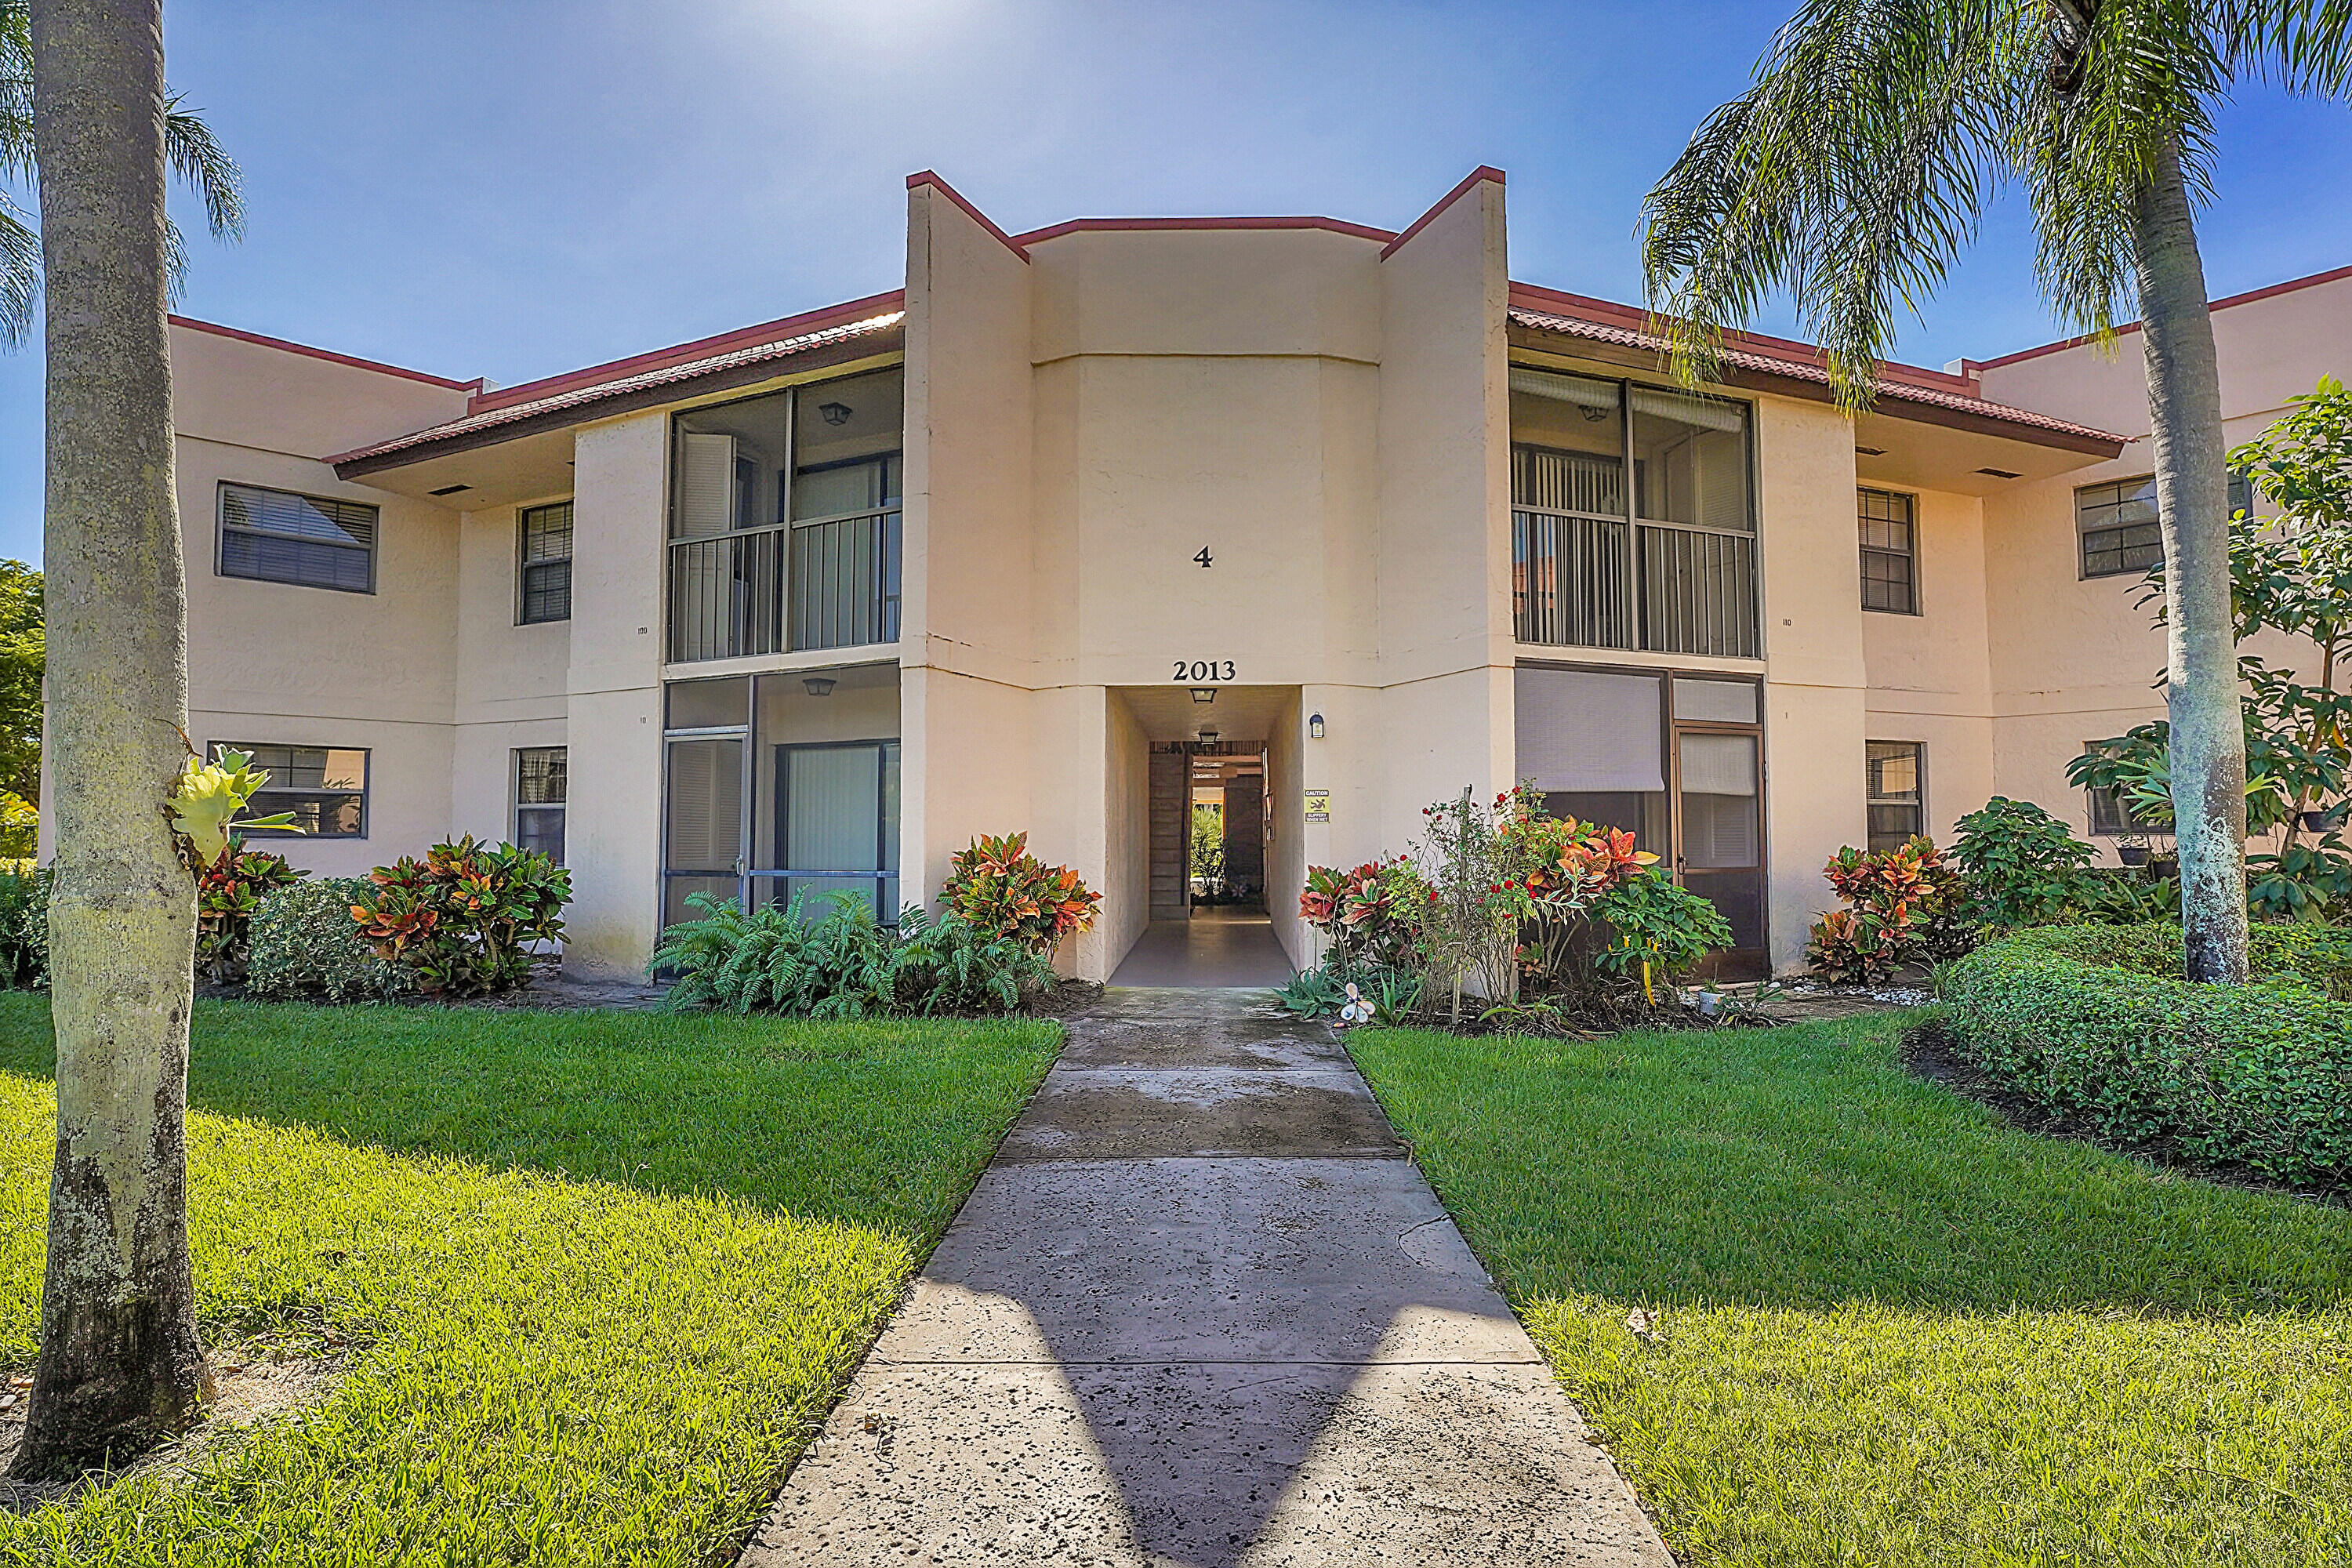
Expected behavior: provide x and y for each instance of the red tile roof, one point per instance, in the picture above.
(579, 390)
(1624, 326)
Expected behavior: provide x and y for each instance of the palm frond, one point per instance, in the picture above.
(196, 156)
(20, 272)
(1850, 173)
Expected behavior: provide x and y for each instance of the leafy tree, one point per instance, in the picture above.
(1208, 842)
(2291, 574)
(1857, 165)
(194, 154)
(22, 655)
(121, 1368)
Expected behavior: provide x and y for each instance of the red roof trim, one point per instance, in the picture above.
(925, 177)
(1482, 172)
(1114, 224)
(681, 353)
(268, 342)
(1634, 319)
(2248, 298)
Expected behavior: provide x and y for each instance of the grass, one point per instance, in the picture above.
(602, 1273)
(1888, 1329)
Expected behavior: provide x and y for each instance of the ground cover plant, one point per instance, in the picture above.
(588, 1316)
(1878, 1327)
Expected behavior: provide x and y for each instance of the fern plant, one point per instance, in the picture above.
(948, 964)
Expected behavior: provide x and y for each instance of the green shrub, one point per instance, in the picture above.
(949, 965)
(24, 930)
(1659, 930)
(306, 946)
(465, 917)
(2022, 866)
(2095, 1024)
(842, 964)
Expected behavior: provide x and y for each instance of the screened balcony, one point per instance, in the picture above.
(785, 529)
(1665, 564)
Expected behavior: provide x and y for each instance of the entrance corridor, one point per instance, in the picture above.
(1216, 946)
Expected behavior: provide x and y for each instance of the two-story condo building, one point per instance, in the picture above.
(1327, 521)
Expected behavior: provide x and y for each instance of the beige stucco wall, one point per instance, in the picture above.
(2071, 660)
(612, 691)
(314, 667)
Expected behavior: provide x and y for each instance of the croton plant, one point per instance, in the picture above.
(1003, 890)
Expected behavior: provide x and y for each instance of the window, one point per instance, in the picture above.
(2110, 814)
(2117, 524)
(546, 589)
(1898, 795)
(540, 786)
(309, 541)
(1890, 553)
(326, 787)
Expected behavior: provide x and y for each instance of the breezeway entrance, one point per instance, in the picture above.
(1208, 833)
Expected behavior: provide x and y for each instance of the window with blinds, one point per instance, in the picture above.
(311, 542)
(546, 581)
(543, 784)
(1898, 799)
(1890, 552)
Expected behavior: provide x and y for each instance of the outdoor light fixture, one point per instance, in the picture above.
(1204, 694)
(819, 685)
(1208, 737)
(1315, 726)
(835, 413)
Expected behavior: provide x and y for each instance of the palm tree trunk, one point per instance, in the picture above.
(121, 1367)
(2192, 494)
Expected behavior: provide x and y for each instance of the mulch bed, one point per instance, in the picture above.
(1930, 1052)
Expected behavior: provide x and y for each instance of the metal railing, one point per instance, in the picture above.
(1595, 582)
(826, 582)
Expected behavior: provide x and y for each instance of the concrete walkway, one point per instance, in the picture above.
(1201, 1311)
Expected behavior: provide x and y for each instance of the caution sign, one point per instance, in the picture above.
(1318, 805)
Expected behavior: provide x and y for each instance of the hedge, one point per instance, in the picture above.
(306, 947)
(2095, 1024)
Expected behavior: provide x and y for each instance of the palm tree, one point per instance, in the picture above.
(1856, 168)
(195, 153)
(121, 1367)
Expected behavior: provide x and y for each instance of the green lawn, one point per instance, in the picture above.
(603, 1273)
(1890, 1331)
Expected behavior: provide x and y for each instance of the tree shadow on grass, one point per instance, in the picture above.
(1803, 1167)
(883, 1125)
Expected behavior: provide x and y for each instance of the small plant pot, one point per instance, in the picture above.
(2167, 867)
(2133, 854)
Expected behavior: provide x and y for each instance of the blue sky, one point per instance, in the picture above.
(509, 188)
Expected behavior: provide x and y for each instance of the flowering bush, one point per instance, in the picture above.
(462, 917)
(1003, 890)
(229, 892)
(1906, 904)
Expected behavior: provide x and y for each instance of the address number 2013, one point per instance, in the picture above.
(1203, 669)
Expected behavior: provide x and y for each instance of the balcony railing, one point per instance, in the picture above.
(825, 583)
(1595, 582)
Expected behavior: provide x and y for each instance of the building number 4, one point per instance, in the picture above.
(1204, 558)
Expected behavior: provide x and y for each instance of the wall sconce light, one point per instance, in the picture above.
(1204, 694)
(819, 685)
(835, 413)
(1315, 727)
(1208, 737)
